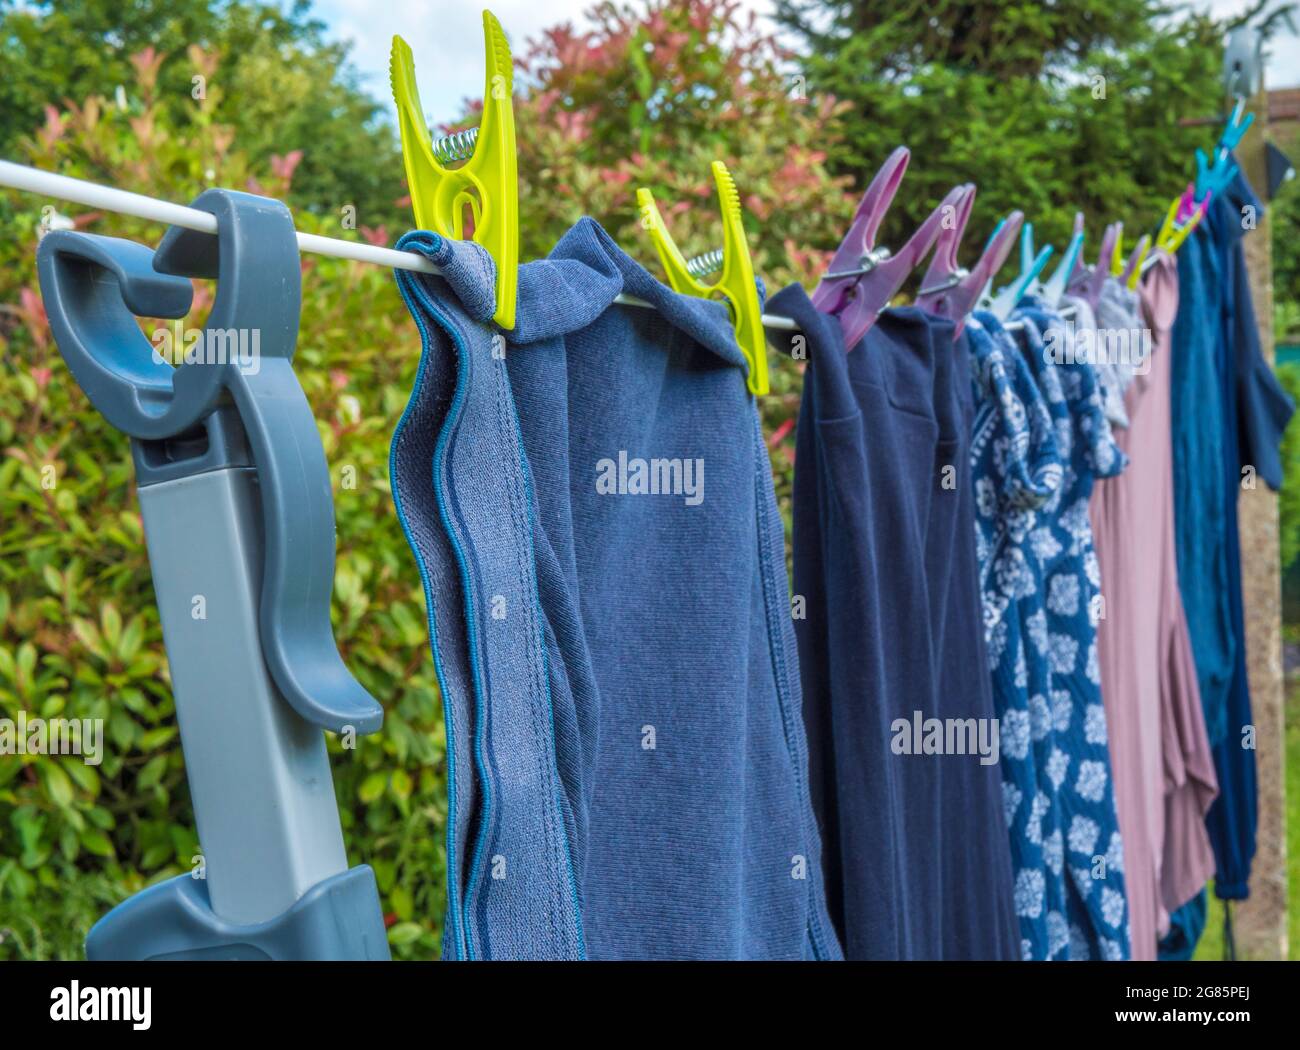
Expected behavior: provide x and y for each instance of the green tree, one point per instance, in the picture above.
(649, 97)
(280, 86)
(1050, 108)
(1284, 222)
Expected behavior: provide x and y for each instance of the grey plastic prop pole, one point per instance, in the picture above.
(238, 513)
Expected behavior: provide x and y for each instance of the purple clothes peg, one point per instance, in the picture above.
(945, 271)
(859, 244)
(877, 276)
(1090, 289)
(957, 302)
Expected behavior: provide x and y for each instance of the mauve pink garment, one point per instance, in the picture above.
(1164, 773)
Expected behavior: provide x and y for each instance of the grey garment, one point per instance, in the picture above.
(1095, 344)
(1119, 310)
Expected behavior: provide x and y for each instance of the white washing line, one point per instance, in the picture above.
(107, 198)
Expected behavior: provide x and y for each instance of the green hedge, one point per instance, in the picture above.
(79, 633)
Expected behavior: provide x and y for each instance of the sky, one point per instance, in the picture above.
(446, 37)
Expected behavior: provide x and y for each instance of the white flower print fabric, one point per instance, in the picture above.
(1040, 438)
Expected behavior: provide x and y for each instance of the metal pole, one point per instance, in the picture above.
(1260, 922)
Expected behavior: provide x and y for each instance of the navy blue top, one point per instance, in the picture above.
(890, 643)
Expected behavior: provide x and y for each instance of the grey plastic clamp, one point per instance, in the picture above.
(93, 285)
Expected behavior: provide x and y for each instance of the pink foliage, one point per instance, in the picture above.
(147, 63)
(284, 167)
(31, 312)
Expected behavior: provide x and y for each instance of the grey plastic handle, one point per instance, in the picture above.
(92, 286)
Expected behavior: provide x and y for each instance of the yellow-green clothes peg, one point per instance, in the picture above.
(1133, 271)
(735, 285)
(488, 182)
(1171, 235)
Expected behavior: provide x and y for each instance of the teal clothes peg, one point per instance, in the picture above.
(1031, 266)
(1238, 124)
(1215, 178)
(1054, 287)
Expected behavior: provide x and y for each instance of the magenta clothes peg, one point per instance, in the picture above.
(963, 299)
(881, 281)
(1187, 204)
(859, 244)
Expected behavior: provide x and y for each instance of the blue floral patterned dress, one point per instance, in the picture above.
(1041, 437)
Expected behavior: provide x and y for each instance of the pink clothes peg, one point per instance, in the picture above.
(1172, 233)
(1187, 204)
(964, 298)
(878, 279)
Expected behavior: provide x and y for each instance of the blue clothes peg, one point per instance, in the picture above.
(1215, 178)
(1236, 127)
(1031, 266)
